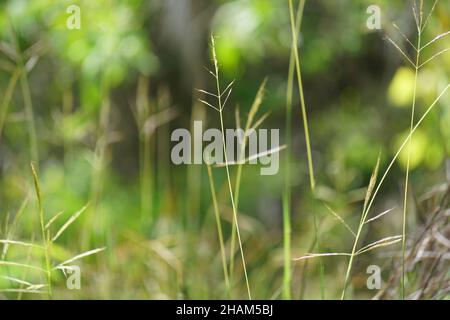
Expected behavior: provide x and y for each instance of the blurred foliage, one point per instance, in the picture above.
(358, 91)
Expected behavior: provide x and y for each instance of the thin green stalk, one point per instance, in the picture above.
(44, 235)
(219, 231)
(302, 98)
(287, 276)
(306, 132)
(216, 67)
(287, 272)
(233, 206)
(405, 198)
(352, 256)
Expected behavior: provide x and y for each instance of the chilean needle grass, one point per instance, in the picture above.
(221, 103)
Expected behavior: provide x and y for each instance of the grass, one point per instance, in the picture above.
(47, 242)
(186, 252)
(373, 191)
(44, 235)
(287, 229)
(219, 108)
(374, 187)
(252, 123)
(421, 23)
(312, 181)
(405, 199)
(22, 63)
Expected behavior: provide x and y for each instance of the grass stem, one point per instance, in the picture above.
(405, 196)
(220, 106)
(44, 235)
(306, 130)
(287, 272)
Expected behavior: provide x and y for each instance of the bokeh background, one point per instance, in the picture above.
(103, 101)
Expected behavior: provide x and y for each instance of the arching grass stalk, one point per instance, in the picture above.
(312, 181)
(383, 178)
(362, 222)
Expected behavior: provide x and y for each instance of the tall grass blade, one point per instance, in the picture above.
(302, 97)
(306, 129)
(287, 231)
